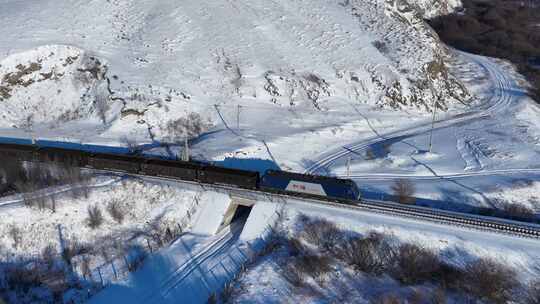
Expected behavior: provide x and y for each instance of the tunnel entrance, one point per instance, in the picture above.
(241, 213)
(237, 214)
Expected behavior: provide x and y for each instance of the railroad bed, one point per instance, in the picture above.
(482, 223)
(245, 182)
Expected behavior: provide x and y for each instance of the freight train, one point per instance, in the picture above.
(271, 181)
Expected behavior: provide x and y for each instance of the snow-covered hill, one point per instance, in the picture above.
(168, 59)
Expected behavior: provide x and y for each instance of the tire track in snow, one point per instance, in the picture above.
(498, 102)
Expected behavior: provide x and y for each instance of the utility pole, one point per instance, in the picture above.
(349, 166)
(185, 154)
(238, 117)
(435, 103)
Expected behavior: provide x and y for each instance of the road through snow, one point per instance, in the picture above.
(497, 104)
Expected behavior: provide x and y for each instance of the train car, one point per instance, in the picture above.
(220, 175)
(170, 168)
(17, 152)
(63, 156)
(310, 184)
(123, 163)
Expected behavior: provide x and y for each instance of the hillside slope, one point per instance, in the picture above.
(165, 60)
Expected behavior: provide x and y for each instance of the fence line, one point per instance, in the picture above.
(118, 267)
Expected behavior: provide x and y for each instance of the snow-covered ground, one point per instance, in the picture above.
(493, 144)
(297, 69)
(298, 85)
(197, 265)
(265, 281)
(147, 208)
(263, 77)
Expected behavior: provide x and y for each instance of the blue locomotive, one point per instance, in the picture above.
(309, 184)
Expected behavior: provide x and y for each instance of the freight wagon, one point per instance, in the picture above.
(273, 181)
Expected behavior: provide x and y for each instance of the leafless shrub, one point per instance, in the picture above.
(388, 299)
(518, 211)
(296, 247)
(313, 265)
(16, 235)
(85, 266)
(227, 293)
(322, 233)
(212, 299)
(438, 296)
(489, 281)
(533, 293)
(95, 217)
(21, 278)
(73, 248)
(381, 46)
(372, 254)
(404, 191)
(292, 274)
(116, 211)
(49, 255)
(415, 264)
(315, 79)
(136, 257)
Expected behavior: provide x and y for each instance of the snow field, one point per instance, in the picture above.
(167, 60)
(264, 281)
(144, 205)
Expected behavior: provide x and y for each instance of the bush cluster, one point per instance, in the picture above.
(95, 217)
(375, 254)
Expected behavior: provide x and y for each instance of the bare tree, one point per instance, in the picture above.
(49, 254)
(490, 281)
(101, 101)
(415, 264)
(533, 296)
(404, 190)
(16, 235)
(130, 144)
(191, 126)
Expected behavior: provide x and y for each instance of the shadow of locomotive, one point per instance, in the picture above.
(251, 164)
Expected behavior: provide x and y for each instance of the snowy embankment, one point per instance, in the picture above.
(153, 204)
(456, 245)
(88, 240)
(199, 263)
(322, 256)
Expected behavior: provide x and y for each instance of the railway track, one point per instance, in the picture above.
(471, 221)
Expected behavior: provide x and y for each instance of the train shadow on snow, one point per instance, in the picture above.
(251, 164)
